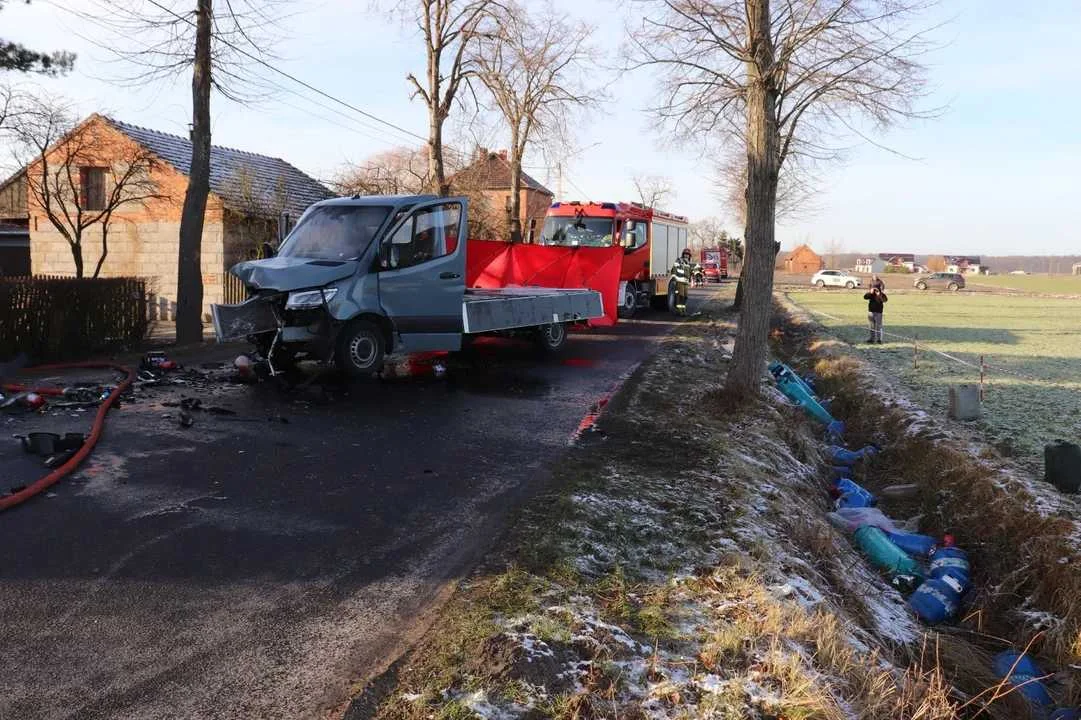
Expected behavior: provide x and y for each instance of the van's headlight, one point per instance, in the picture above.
(309, 299)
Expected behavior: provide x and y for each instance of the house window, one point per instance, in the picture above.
(92, 188)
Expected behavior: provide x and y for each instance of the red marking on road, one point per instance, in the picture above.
(579, 362)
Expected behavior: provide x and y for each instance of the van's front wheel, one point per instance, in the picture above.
(360, 350)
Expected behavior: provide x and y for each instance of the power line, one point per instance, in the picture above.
(255, 58)
(283, 73)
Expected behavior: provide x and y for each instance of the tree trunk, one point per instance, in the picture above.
(435, 155)
(738, 302)
(189, 285)
(514, 208)
(763, 145)
(104, 248)
(77, 256)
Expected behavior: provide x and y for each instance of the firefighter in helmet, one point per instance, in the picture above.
(682, 272)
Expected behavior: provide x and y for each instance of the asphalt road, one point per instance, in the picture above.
(244, 568)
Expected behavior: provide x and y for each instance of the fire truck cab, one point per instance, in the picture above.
(652, 241)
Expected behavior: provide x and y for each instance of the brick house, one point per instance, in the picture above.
(248, 193)
(489, 174)
(964, 264)
(803, 260)
(14, 227)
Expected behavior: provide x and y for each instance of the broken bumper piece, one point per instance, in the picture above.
(251, 317)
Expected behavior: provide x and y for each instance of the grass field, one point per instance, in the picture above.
(1032, 347)
(1054, 284)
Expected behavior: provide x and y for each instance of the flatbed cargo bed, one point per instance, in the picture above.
(491, 310)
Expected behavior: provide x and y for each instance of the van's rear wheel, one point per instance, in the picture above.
(551, 338)
(360, 351)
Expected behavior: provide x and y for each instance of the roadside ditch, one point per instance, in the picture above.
(680, 565)
(1022, 539)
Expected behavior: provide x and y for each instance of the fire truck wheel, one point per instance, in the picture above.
(360, 349)
(629, 303)
(551, 338)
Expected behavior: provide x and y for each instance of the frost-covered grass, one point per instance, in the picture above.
(680, 567)
(1031, 346)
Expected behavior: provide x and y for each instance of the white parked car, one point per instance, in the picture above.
(837, 278)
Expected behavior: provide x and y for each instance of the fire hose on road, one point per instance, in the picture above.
(95, 432)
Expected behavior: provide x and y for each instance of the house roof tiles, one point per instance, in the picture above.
(492, 172)
(244, 180)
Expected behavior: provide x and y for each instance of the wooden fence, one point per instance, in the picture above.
(233, 290)
(60, 318)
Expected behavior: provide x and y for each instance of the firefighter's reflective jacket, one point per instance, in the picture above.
(684, 270)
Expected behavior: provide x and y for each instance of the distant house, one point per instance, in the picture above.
(490, 174)
(868, 264)
(248, 194)
(897, 262)
(964, 264)
(14, 227)
(803, 260)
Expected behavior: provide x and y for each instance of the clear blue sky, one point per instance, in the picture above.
(996, 174)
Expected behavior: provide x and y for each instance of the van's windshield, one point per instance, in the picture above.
(334, 232)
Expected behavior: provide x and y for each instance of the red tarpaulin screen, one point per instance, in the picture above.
(493, 264)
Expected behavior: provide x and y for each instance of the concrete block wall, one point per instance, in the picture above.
(148, 250)
(143, 238)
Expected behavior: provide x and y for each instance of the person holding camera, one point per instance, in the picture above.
(876, 299)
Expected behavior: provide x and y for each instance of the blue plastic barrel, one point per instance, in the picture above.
(934, 601)
(846, 486)
(1023, 677)
(844, 456)
(913, 543)
(951, 562)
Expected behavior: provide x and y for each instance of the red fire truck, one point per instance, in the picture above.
(715, 264)
(652, 240)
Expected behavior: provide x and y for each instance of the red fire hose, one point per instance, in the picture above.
(95, 431)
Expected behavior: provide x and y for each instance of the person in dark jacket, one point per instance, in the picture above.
(875, 300)
(876, 282)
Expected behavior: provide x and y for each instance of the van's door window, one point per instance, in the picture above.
(429, 233)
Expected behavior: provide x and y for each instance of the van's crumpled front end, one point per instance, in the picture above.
(287, 315)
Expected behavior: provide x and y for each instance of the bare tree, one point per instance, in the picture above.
(220, 47)
(834, 247)
(653, 190)
(448, 27)
(532, 68)
(13, 103)
(257, 210)
(784, 79)
(708, 232)
(80, 176)
(400, 171)
(14, 56)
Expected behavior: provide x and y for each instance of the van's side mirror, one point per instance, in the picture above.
(630, 239)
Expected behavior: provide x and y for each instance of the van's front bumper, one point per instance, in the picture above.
(251, 317)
